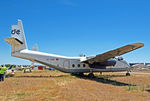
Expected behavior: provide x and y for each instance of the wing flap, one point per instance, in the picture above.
(116, 52)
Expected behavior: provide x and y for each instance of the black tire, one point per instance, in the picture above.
(81, 74)
(91, 75)
(127, 74)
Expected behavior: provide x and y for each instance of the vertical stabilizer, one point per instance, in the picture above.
(17, 39)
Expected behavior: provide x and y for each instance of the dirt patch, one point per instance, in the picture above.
(58, 86)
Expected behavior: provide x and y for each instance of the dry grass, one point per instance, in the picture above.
(58, 86)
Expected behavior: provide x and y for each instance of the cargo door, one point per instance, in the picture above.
(66, 64)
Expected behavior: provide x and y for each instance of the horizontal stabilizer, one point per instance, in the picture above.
(13, 41)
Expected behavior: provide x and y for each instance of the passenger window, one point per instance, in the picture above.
(78, 65)
(84, 65)
(73, 65)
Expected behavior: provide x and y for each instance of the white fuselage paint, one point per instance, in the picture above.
(68, 64)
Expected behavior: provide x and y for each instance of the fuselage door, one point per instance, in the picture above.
(66, 64)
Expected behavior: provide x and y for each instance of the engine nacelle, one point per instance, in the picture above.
(103, 65)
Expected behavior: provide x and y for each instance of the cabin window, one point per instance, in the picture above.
(78, 65)
(84, 65)
(73, 65)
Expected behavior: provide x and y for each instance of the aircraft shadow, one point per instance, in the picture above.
(41, 76)
(105, 79)
(148, 91)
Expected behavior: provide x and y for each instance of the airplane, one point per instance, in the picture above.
(9, 72)
(110, 61)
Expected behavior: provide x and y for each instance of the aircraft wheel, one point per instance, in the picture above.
(127, 74)
(91, 75)
(81, 74)
(73, 74)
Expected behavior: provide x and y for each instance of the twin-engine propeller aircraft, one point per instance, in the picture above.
(110, 61)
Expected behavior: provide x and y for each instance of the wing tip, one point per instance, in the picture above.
(138, 45)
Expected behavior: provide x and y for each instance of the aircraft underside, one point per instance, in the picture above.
(88, 70)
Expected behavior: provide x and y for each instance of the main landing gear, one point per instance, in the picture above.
(91, 75)
(78, 74)
(81, 74)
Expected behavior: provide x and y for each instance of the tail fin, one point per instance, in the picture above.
(9, 68)
(17, 39)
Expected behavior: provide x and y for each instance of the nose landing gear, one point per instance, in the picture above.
(127, 74)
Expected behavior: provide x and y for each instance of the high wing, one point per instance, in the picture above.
(116, 52)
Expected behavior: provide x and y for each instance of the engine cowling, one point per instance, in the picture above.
(103, 64)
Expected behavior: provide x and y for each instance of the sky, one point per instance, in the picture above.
(73, 27)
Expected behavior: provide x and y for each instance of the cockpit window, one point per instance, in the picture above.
(120, 58)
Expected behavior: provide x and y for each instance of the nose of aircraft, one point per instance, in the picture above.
(126, 65)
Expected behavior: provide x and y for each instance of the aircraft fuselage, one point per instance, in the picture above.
(72, 64)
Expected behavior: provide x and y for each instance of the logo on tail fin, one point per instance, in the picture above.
(15, 31)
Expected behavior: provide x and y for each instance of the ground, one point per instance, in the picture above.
(57, 86)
